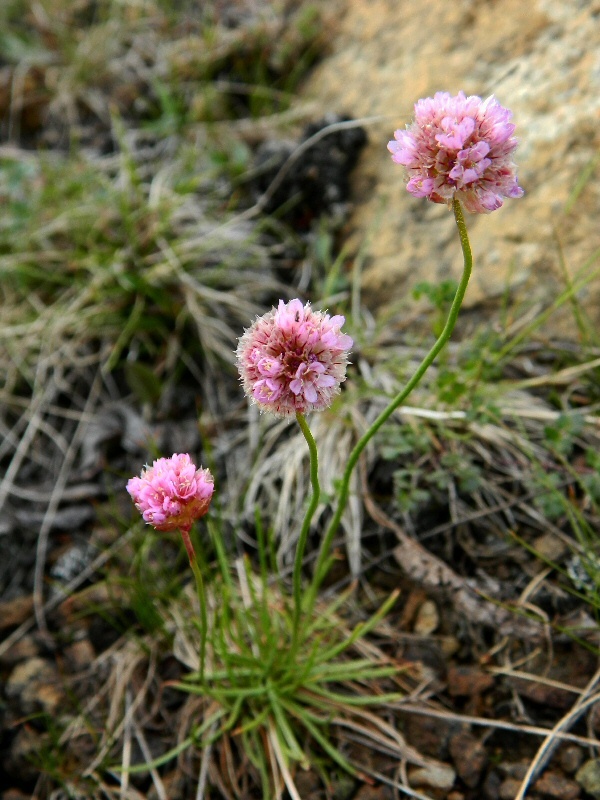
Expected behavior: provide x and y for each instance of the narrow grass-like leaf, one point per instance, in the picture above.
(256, 722)
(351, 700)
(256, 754)
(305, 719)
(217, 541)
(157, 762)
(175, 751)
(292, 747)
(340, 670)
(218, 692)
(362, 628)
(234, 713)
(579, 281)
(324, 617)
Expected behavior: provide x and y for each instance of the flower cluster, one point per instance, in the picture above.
(172, 493)
(459, 145)
(293, 359)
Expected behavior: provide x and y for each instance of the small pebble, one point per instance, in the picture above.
(469, 757)
(588, 777)
(24, 648)
(427, 619)
(554, 785)
(468, 681)
(80, 654)
(571, 758)
(14, 612)
(35, 684)
(509, 788)
(437, 776)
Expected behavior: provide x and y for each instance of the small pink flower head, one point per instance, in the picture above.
(459, 145)
(293, 359)
(172, 493)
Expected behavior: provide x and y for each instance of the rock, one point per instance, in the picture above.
(469, 757)
(428, 735)
(468, 681)
(449, 645)
(436, 776)
(549, 546)
(588, 777)
(412, 602)
(553, 784)
(34, 684)
(14, 612)
(570, 758)
(80, 654)
(24, 674)
(15, 794)
(24, 648)
(307, 782)
(516, 770)
(540, 60)
(427, 619)
(509, 788)
(491, 786)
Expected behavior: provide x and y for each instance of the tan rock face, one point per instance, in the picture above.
(542, 60)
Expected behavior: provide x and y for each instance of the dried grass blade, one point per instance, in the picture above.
(280, 759)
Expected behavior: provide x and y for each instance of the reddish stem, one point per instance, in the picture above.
(185, 535)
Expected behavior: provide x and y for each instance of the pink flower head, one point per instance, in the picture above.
(172, 493)
(459, 145)
(293, 359)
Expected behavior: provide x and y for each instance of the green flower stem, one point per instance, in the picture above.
(321, 565)
(185, 535)
(301, 546)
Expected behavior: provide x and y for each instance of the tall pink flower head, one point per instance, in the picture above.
(172, 493)
(293, 359)
(459, 146)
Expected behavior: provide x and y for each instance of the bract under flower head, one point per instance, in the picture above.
(172, 493)
(459, 145)
(293, 359)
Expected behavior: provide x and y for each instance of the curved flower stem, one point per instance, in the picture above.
(322, 561)
(185, 535)
(301, 546)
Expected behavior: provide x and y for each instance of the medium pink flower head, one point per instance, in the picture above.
(172, 493)
(459, 145)
(293, 359)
